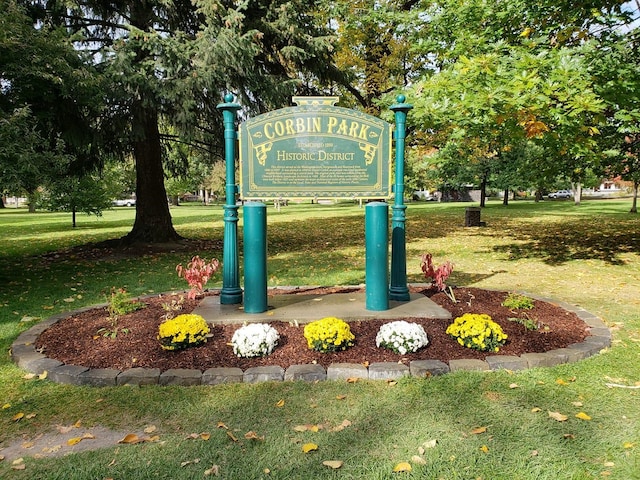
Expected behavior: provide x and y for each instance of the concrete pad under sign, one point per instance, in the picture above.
(307, 308)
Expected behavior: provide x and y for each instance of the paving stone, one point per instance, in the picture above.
(308, 372)
(26, 358)
(181, 376)
(561, 353)
(507, 362)
(600, 332)
(39, 366)
(468, 364)
(69, 374)
(571, 355)
(139, 376)
(26, 338)
(427, 368)
(584, 350)
(218, 375)
(602, 341)
(264, 374)
(343, 371)
(546, 359)
(388, 370)
(100, 377)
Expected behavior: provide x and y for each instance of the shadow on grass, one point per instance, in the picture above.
(592, 238)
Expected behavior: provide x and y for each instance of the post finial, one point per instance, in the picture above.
(228, 97)
(400, 98)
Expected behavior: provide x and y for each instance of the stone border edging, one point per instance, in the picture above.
(24, 354)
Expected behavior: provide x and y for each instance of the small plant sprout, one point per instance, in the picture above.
(438, 275)
(516, 301)
(120, 303)
(172, 307)
(197, 274)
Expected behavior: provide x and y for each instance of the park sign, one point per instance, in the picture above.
(315, 149)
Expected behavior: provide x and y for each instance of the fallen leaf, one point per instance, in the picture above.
(340, 397)
(1, 458)
(352, 379)
(478, 430)
(576, 404)
(418, 460)
(569, 436)
(31, 415)
(74, 441)
(628, 444)
(189, 462)
(345, 423)
(251, 435)
(29, 376)
(6, 405)
(205, 435)
(231, 436)
(430, 443)
(266, 471)
(43, 375)
(583, 416)
(130, 439)
(222, 425)
(484, 449)
(301, 428)
(514, 385)
(534, 453)
(557, 416)
(309, 447)
(28, 445)
(17, 417)
(280, 403)
(335, 464)
(402, 467)
(150, 429)
(392, 383)
(18, 464)
(214, 470)
(536, 410)
(192, 436)
(78, 424)
(609, 464)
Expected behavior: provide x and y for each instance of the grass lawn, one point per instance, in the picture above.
(587, 255)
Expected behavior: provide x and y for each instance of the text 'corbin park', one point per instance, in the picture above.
(316, 125)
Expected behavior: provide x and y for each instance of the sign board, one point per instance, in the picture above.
(315, 149)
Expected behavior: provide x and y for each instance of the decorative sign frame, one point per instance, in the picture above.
(315, 149)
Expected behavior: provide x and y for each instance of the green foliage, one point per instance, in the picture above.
(516, 301)
(120, 303)
(526, 322)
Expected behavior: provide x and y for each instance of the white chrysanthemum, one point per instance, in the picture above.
(254, 340)
(402, 337)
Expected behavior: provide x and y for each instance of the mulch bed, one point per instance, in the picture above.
(75, 340)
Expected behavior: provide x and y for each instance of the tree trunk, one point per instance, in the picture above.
(153, 219)
(483, 191)
(577, 192)
(505, 198)
(634, 202)
(73, 217)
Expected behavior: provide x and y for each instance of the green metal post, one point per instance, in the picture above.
(231, 292)
(255, 257)
(376, 235)
(398, 289)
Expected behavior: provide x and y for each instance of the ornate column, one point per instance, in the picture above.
(231, 292)
(398, 289)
